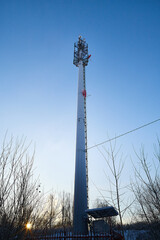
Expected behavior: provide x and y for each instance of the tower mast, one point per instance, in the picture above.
(80, 224)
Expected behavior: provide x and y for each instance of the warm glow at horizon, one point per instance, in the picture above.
(28, 226)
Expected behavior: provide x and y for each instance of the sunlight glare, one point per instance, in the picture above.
(28, 226)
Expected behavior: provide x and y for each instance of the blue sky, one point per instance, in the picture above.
(38, 80)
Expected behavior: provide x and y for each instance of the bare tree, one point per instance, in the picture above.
(18, 195)
(115, 165)
(67, 207)
(146, 189)
(50, 213)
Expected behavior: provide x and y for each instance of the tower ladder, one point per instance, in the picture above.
(85, 123)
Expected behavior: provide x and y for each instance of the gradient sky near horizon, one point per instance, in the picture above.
(38, 81)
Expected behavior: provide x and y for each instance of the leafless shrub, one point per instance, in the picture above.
(146, 189)
(18, 196)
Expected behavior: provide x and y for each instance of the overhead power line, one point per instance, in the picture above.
(123, 134)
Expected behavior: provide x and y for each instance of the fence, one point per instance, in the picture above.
(70, 236)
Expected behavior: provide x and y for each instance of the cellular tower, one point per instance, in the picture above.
(80, 218)
(81, 211)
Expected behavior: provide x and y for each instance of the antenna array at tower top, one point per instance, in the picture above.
(80, 52)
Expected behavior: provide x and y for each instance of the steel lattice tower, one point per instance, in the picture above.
(80, 220)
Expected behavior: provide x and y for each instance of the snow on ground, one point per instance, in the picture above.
(135, 234)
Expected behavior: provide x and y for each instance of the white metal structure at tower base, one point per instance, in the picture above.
(80, 219)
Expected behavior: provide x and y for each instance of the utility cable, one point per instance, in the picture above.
(123, 134)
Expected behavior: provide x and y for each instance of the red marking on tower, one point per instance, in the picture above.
(84, 93)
